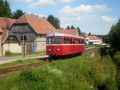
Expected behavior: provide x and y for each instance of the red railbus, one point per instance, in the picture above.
(63, 44)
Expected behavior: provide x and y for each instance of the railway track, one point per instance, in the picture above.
(45, 61)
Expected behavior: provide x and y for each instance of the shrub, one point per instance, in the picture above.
(27, 74)
(117, 58)
(103, 51)
(8, 53)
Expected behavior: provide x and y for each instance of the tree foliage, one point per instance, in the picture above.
(54, 21)
(72, 27)
(105, 39)
(17, 13)
(89, 34)
(5, 10)
(114, 36)
(68, 27)
(79, 30)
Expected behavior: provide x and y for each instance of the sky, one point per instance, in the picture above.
(94, 16)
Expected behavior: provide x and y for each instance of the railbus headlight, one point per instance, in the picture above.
(49, 49)
(58, 49)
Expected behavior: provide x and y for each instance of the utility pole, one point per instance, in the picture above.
(23, 41)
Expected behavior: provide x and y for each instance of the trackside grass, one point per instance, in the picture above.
(80, 73)
(19, 62)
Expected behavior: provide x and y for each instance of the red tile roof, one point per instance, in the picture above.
(74, 32)
(40, 25)
(91, 37)
(0, 28)
(6, 23)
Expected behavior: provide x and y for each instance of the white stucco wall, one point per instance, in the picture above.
(12, 47)
(0, 45)
(40, 44)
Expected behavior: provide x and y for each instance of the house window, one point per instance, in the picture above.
(11, 38)
(23, 37)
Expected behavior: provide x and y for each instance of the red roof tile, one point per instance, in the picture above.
(74, 32)
(0, 28)
(40, 25)
(6, 23)
(91, 37)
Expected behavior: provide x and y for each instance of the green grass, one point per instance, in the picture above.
(80, 73)
(19, 62)
(10, 54)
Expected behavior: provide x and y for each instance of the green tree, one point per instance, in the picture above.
(17, 13)
(72, 27)
(68, 27)
(89, 34)
(105, 39)
(54, 21)
(80, 33)
(114, 36)
(5, 10)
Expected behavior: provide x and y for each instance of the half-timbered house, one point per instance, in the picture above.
(5, 24)
(28, 34)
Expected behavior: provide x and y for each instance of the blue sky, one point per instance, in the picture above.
(95, 16)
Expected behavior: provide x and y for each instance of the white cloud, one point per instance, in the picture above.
(64, 1)
(83, 9)
(108, 19)
(77, 20)
(26, 1)
(39, 3)
(93, 23)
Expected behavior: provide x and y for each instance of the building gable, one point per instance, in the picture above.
(39, 25)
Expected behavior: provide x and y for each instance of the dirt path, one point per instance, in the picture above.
(16, 68)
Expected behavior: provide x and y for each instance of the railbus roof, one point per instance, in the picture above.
(60, 34)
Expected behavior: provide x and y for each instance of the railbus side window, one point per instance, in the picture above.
(66, 41)
(49, 40)
(73, 41)
(79, 41)
(82, 41)
(70, 40)
(58, 41)
(76, 41)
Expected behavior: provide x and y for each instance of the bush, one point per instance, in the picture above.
(28, 75)
(117, 61)
(104, 73)
(103, 51)
(117, 58)
(8, 53)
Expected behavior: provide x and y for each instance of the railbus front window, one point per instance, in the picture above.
(58, 41)
(49, 40)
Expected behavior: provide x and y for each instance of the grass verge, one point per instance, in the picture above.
(19, 62)
(80, 73)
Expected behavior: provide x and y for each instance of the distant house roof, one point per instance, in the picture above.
(74, 32)
(6, 23)
(91, 37)
(39, 25)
